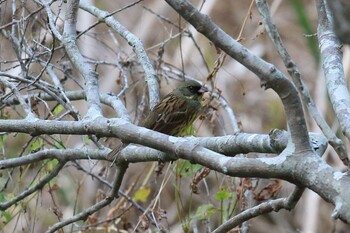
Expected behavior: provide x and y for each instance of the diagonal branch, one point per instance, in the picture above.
(91, 77)
(29, 191)
(135, 42)
(269, 75)
(21, 100)
(120, 172)
(333, 67)
(69, 41)
(294, 72)
(263, 208)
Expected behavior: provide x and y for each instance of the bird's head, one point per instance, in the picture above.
(191, 90)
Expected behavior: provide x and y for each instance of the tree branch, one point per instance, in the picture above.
(270, 76)
(308, 172)
(25, 106)
(107, 99)
(69, 42)
(37, 187)
(263, 208)
(333, 67)
(103, 127)
(120, 172)
(294, 72)
(136, 43)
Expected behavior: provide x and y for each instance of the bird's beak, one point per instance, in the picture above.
(203, 90)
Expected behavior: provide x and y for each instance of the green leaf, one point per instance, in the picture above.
(2, 141)
(5, 217)
(190, 131)
(58, 109)
(59, 145)
(206, 211)
(185, 168)
(2, 197)
(222, 195)
(51, 164)
(142, 194)
(86, 140)
(36, 145)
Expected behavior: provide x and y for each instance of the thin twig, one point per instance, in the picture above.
(38, 186)
(119, 174)
(263, 208)
(25, 106)
(136, 43)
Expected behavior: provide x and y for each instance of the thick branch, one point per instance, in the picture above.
(270, 76)
(309, 171)
(295, 74)
(103, 127)
(227, 145)
(332, 62)
(179, 146)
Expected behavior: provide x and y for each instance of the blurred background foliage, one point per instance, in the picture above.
(170, 44)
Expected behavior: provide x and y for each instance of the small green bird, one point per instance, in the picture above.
(177, 111)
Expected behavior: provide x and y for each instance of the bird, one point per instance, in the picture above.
(175, 113)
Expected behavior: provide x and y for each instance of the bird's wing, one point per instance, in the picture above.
(174, 114)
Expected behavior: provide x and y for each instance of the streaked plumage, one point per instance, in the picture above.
(176, 111)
